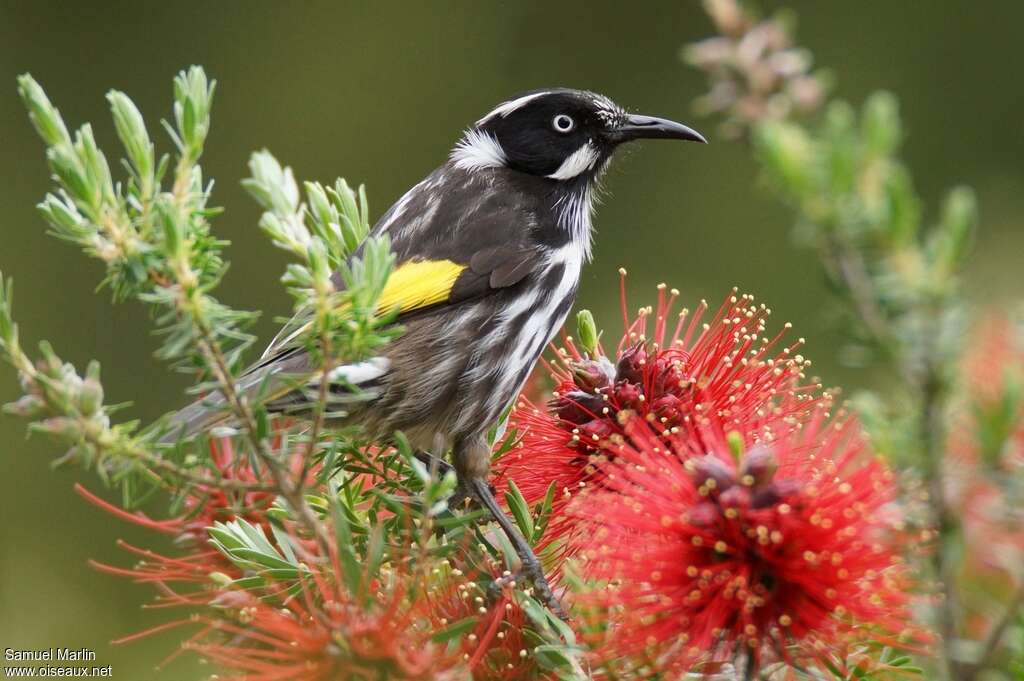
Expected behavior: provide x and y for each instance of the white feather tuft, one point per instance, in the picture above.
(361, 372)
(478, 149)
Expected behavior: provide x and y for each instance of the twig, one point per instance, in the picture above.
(153, 461)
(995, 636)
(933, 435)
(319, 412)
(848, 267)
(210, 349)
(291, 493)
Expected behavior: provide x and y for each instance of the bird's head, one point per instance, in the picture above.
(560, 134)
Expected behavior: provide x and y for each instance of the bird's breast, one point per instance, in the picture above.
(519, 327)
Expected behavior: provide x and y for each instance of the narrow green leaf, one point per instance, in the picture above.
(520, 510)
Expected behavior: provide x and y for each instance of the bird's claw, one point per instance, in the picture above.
(531, 572)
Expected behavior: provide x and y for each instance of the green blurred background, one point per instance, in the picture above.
(378, 92)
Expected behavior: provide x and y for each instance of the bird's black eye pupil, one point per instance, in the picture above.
(562, 123)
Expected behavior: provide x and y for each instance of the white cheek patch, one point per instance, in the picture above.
(477, 150)
(581, 160)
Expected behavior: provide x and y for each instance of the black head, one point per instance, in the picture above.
(561, 134)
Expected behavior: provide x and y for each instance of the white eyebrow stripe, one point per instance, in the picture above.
(478, 149)
(581, 160)
(510, 106)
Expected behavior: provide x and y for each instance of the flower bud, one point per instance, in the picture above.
(773, 493)
(595, 431)
(707, 468)
(592, 374)
(630, 366)
(578, 406)
(760, 464)
(667, 407)
(627, 395)
(737, 497)
(59, 427)
(90, 394)
(28, 407)
(586, 329)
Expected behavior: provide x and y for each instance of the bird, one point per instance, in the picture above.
(488, 249)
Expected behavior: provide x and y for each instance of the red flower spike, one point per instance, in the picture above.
(793, 543)
(205, 505)
(324, 635)
(722, 375)
(986, 443)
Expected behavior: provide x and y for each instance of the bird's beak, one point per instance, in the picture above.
(650, 127)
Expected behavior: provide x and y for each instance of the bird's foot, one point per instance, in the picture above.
(462, 499)
(531, 572)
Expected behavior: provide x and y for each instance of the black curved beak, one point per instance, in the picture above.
(637, 127)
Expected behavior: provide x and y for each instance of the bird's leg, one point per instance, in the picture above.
(530, 566)
(472, 458)
(437, 466)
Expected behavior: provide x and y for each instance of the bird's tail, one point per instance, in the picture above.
(212, 410)
(202, 415)
(281, 392)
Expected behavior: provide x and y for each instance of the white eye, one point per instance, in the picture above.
(562, 123)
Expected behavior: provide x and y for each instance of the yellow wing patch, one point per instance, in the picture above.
(417, 284)
(413, 285)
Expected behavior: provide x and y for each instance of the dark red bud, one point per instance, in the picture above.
(592, 374)
(599, 427)
(760, 464)
(710, 467)
(704, 514)
(627, 395)
(774, 493)
(737, 497)
(630, 365)
(667, 407)
(578, 406)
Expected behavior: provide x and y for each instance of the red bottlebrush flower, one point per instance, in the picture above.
(325, 635)
(204, 505)
(788, 542)
(678, 378)
(986, 447)
(310, 630)
(496, 649)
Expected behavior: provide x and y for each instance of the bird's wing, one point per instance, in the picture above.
(451, 246)
(455, 238)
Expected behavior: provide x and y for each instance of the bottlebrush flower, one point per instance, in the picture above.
(312, 629)
(986, 449)
(681, 375)
(788, 542)
(496, 649)
(203, 505)
(325, 634)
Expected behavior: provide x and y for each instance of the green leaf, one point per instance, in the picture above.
(956, 231)
(455, 631)
(44, 116)
(520, 510)
(543, 511)
(131, 130)
(880, 124)
(353, 574)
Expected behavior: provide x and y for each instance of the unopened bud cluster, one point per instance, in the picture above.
(65, 405)
(602, 390)
(755, 71)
